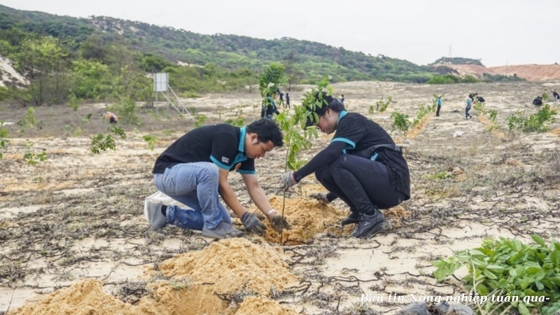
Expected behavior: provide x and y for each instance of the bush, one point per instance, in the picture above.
(452, 79)
(539, 122)
(529, 274)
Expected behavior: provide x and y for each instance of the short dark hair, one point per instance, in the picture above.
(267, 130)
(328, 102)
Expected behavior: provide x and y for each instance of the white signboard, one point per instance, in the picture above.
(161, 81)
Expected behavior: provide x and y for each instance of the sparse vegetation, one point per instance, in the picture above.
(537, 122)
(33, 158)
(150, 140)
(400, 122)
(4, 142)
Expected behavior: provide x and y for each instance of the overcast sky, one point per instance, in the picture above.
(421, 31)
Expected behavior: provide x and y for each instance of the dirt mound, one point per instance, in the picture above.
(470, 69)
(259, 305)
(204, 282)
(307, 218)
(530, 72)
(87, 297)
(84, 297)
(233, 266)
(527, 72)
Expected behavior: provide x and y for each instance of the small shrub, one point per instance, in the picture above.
(199, 120)
(400, 122)
(4, 143)
(382, 105)
(33, 158)
(151, 140)
(102, 143)
(239, 122)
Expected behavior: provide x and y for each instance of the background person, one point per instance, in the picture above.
(555, 96)
(269, 108)
(194, 171)
(538, 101)
(438, 103)
(111, 117)
(468, 107)
(362, 166)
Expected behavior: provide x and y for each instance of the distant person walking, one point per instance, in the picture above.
(468, 108)
(439, 103)
(287, 100)
(556, 96)
(342, 99)
(538, 101)
(281, 102)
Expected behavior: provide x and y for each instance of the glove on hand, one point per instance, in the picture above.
(322, 197)
(252, 224)
(288, 180)
(279, 223)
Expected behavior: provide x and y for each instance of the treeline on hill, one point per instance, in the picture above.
(486, 77)
(100, 68)
(458, 61)
(68, 58)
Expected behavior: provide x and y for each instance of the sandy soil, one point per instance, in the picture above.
(9, 74)
(74, 223)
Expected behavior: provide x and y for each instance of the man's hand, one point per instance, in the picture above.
(322, 197)
(279, 223)
(252, 223)
(288, 180)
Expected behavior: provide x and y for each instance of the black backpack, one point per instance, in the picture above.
(481, 99)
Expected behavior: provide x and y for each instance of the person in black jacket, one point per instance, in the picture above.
(194, 171)
(362, 166)
(538, 101)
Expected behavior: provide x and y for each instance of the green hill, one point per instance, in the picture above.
(312, 60)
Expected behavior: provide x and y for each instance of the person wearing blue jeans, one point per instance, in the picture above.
(468, 108)
(362, 166)
(194, 171)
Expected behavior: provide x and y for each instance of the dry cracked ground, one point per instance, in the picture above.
(79, 215)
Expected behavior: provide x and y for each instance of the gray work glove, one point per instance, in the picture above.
(288, 180)
(279, 223)
(252, 223)
(322, 197)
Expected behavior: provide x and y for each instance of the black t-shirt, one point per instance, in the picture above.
(354, 134)
(222, 144)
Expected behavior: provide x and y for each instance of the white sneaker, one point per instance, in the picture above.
(152, 212)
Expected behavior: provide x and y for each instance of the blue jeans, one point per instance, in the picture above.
(467, 109)
(196, 186)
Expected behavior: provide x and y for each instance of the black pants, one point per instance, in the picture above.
(363, 184)
(437, 112)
